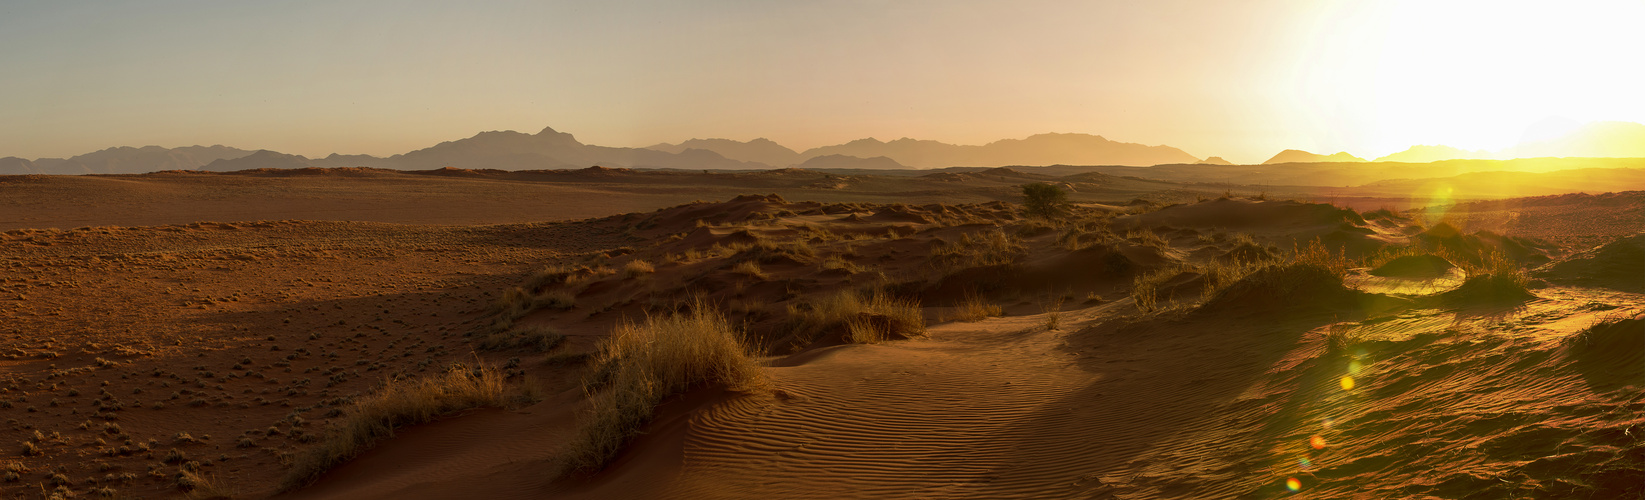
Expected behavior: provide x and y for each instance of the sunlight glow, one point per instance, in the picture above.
(1469, 73)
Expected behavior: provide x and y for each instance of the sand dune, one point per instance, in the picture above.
(1209, 349)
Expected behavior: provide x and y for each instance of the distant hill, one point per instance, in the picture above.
(260, 159)
(1214, 160)
(129, 160)
(1300, 156)
(1042, 149)
(1425, 154)
(760, 150)
(12, 165)
(549, 149)
(851, 162)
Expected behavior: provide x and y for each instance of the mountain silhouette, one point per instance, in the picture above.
(851, 162)
(1214, 160)
(1426, 154)
(129, 160)
(263, 158)
(1041, 149)
(759, 150)
(1300, 156)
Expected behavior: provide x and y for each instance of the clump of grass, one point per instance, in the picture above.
(863, 319)
(1145, 287)
(1146, 237)
(1316, 253)
(974, 308)
(642, 364)
(1052, 306)
(396, 404)
(540, 338)
(749, 268)
(767, 251)
(637, 268)
(984, 248)
(839, 262)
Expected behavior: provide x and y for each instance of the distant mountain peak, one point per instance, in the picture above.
(1300, 156)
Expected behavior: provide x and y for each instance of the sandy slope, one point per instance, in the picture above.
(164, 330)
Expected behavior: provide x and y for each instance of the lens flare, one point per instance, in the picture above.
(1317, 442)
(1328, 422)
(1347, 382)
(1354, 367)
(1293, 484)
(1304, 463)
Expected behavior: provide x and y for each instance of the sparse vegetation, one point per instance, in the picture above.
(637, 268)
(749, 268)
(396, 404)
(975, 308)
(537, 337)
(860, 319)
(642, 364)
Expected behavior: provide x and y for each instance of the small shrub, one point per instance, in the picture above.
(641, 364)
(1044, 200)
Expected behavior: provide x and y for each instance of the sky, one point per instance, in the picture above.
(1241, 80)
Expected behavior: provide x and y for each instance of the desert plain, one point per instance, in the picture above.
(1185, 332)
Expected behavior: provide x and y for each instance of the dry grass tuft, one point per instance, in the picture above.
(540, 338)
(640, 365)
(637, 268)
(974, 308)
(1147, 237)
(396, 404)
(749, 268)
(1317, 254)
(864, 319)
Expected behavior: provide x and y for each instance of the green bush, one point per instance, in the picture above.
(1044, 200)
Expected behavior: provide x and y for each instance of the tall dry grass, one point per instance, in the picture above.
(642, 364)
(865, 318)
(975, 308)
(396, 404)
(1316, 253)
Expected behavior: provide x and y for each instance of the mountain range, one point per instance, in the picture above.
(550, 149)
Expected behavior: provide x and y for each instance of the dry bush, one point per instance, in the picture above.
(396, 404)
(974, 308)
(749, 268)
(540, 338)
(640, 365)
(637, 268)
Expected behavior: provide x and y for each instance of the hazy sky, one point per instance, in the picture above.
(1235, 79)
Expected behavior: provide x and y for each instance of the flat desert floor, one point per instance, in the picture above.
(181, 334)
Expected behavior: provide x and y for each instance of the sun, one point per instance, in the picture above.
(1471, 74)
